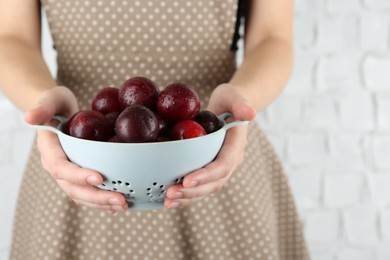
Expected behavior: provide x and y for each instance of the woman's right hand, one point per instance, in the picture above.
(78, 183)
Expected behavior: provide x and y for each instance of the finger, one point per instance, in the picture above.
(40, 114)
(173, 191)
(91, 205)
(58, 100)
(199, 191)
(230, 99)
(94, 195)
(218, 169)
(168, 203)
(230, 155)
(56, 163)
(112, 212)
(241, 110)
(67, 171)
(95, 206)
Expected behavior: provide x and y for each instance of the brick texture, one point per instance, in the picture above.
(376, 71)
(361, 226)
(338, 156)
(322, 226)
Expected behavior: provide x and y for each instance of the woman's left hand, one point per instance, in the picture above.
(211, 178)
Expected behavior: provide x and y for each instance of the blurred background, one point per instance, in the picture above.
(330, 127)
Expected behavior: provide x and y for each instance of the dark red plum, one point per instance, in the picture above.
(178, 102)
(137, 124)
(209, 121)
(90, 125)
(187, 129)
(115, 139)
(113, 116)
(138, 91)
(163, 127)
(106, 101)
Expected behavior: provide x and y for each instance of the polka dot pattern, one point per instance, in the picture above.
(102, 43)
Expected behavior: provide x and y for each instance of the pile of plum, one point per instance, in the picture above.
(138, 112)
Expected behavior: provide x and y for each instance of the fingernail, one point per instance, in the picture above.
(114, 201)
(178, 195)
(175, 204)
(35, 107)
(112, 212)
(118, 208)
(193, 183)
(93, 180)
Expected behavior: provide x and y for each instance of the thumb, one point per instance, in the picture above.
(241, 110)
(43, 111)
(226, 99)
(58, 100)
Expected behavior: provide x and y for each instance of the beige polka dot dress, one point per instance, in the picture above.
(104, 42)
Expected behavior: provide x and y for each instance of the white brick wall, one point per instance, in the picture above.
(383, 106)
(376, 71)
(342, 190)
(323, 226)
(306, 148)
(338, 156)
(331, 128)
(360, 226)
(349, 253)
(377, 5)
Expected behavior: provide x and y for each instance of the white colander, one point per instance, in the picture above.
(143, 171)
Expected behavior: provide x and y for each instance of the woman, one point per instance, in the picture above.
(61, 214)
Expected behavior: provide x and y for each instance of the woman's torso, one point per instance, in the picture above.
(100, 44)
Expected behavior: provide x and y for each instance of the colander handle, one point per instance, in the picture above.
(60, 119)
(229, 125)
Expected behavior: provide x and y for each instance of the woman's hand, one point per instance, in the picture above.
(211, 178)
(76, 182)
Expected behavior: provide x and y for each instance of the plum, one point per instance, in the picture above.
(137, 124)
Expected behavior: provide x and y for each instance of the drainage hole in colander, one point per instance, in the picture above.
(119, 182)
(179, 180)
(114, 189)
(114, 182)
(131, 191)
(162, 186)
(103, 184)
(127, 184)
(130, 197)
(148, 189)
(154, 183)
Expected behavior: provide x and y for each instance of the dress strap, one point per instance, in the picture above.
(240, 19)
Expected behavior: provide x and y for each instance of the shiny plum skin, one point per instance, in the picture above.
(138, 91)
(137, 124)
(115, 139)
(90, 125)
(138, 112)
(209, 121)
(113, 116)
(106, 101)
(163, 138)
(163, 127)
(178, 102)
(187, 129)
